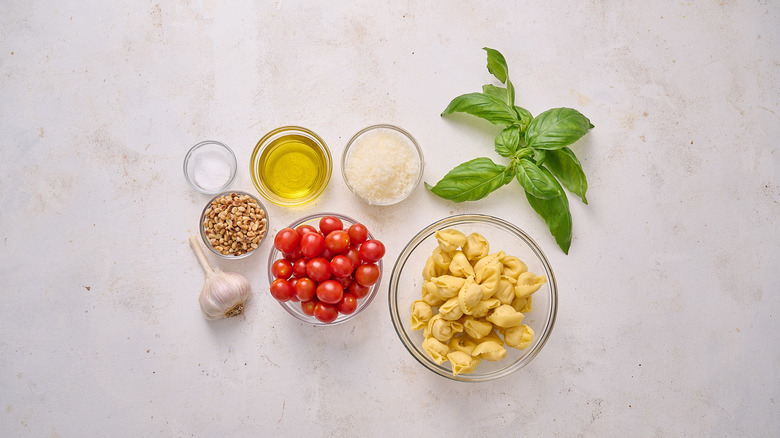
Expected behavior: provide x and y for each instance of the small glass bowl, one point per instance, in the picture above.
(202, 227)
(406, 282)
(294, 307)
(210, 167)
(287, 158)
(383, 162)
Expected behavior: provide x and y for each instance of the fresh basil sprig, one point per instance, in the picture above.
(540, 159)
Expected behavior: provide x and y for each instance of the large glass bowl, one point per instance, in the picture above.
(294, 307)
(406, 283)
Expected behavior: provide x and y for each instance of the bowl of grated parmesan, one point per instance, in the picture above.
(382, 164)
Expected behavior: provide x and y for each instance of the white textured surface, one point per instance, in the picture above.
(669, 304)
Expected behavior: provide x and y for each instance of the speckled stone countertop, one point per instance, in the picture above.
(669, 306)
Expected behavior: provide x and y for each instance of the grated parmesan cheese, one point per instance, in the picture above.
(382, 166)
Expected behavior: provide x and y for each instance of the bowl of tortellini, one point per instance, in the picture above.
(473, 298)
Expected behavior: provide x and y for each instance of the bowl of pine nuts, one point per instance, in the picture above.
(233, 224)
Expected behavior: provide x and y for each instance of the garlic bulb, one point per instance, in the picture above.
(224, 293)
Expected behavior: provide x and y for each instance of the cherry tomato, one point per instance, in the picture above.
(282, 269)
(307, 307)
(292, 281)
(305, 288)
(337, 241)
(358, 233)
(344, 281)
(358, 290)
(341, 266)
(281, 289)
(292, 256)
(347, 304)
(286, 240)
(299, 267)
(325, 312)
(330, 223)
(371, 251)
(303, 229)
(367, 274)
(327, 255)
(353, 256)
(312, 245)
(330, 292)
(318, 269)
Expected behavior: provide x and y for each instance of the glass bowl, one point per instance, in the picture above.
(291, 166)
(261, 220)
(294, 307)
(210, 167)
(372, 149)
(406, 283)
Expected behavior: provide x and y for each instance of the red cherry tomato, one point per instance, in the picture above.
(318, 269)
(330, 292)
(371, 251)
(358, 233)
(303, 229)
(325, 312)
(353, 256)
(330, 223)
(341, 266)
(367, 274)
(292, 256)
(307, 307)
(281, 289)
(358, 290)
(305, 288)
(299, 267)
(347, 304)
(286, 240)
(337, 241)
(312, 245)
(282, 269)
(344, 281)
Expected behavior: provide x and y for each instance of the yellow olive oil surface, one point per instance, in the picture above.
(292, 167)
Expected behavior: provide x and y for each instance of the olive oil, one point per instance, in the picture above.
(293, 167)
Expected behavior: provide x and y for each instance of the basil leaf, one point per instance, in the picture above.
(524, 116)
(555, 212)
(483, 106)
(508, 141)
(499, 93)
(471, 180)
(556, 128)
(539, 156)
(496, 64)
(536, 182)
(567, 168)
(510, 93)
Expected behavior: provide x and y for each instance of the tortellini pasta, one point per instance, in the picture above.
(450, 240)
(469, 296)
(421, 314)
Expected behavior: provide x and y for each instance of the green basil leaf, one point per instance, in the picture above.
(499, 93)
(510, 93)
(535, 181)
(484, 106)
(524, 116)
(567, 168)
(539, 156)
(508, 141)
(471, 180)
(556, 128)
(555, 212)
(496, 64)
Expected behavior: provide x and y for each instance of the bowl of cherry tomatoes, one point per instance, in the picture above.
(324, 269)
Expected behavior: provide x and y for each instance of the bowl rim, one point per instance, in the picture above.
(401, 131)
(232, 162)
(203, 229)
(411, 346)
(364, 302)
(266, 139)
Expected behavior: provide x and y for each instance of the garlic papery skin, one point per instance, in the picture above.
(224, 293)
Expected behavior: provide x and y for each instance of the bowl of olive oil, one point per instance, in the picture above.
(291, 166)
